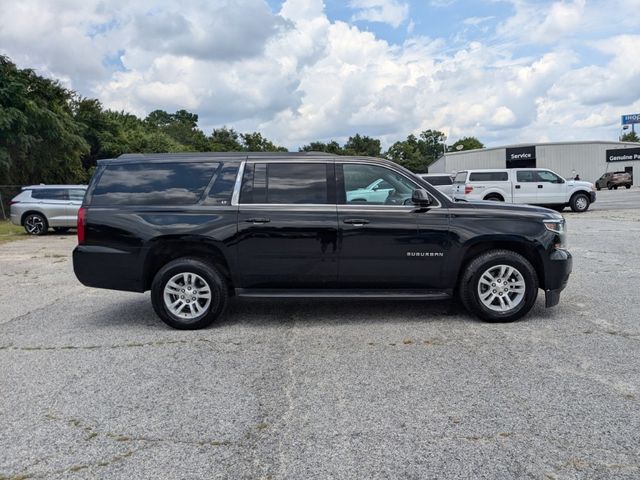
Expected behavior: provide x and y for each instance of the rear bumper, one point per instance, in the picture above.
(557, 271)
(103, 267)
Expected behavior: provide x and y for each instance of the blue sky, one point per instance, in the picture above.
(505, 71)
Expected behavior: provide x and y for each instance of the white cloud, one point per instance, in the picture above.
(298, 76)
(541, 23)
(475, 21)
(393, 12)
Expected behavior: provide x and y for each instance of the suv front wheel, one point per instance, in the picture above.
(499, 286)
(188, 294)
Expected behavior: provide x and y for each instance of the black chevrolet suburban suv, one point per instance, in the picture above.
(198, 228)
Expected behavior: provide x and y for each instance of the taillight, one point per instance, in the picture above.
(468, 189)
(81, 219)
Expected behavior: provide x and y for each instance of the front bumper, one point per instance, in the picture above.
(556, 273)
(592, 197)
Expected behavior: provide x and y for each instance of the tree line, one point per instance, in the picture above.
(50, 134)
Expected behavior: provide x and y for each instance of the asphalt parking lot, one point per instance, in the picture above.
(93, 385)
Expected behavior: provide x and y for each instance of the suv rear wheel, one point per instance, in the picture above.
(499, 286)
(36, 224)
(188, 294)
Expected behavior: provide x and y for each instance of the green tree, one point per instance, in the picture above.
(362, 145)
(417, 153)
(39, 138)
(331, 147)
(630, 137)
(465, 143)
(181, 126)
(432, 145)
(225, 140)
(408, 154)
(255, 142)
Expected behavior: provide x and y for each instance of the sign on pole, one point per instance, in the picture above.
(631, 119)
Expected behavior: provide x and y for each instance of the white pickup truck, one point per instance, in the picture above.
(535, 186)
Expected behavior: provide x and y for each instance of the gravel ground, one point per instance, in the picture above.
(93, 385)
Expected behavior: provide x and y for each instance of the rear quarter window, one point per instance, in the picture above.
(488, 177)
(439, 180)
(153, 184)
(50, 194)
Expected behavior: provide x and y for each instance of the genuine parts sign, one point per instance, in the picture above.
(623, 154)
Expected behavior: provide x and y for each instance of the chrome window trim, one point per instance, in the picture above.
(238, 185)
(289, 206)
(235, 196)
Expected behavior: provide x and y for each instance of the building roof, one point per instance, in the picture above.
(518, 145)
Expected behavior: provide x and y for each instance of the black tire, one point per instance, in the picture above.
(61, 229)
(615, 187)
(579, 202)
(493, 197)
(609, 186)
(215, 281)
(470, 296)
(627, 186)
(35, 224)
(598, 187)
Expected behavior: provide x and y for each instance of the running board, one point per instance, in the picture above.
(343, 293)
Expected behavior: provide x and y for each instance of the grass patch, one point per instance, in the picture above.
(9, 231)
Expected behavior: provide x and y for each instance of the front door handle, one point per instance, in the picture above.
(356, 222)
(258, 220)
(540, 186)
(517, 186)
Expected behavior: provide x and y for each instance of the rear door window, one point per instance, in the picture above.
(488, 177)
(153, 183)
(50, 194)
(526, 176)
(286, 183)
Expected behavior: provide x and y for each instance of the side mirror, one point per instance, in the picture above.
(421, 198)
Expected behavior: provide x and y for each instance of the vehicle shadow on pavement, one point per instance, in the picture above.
(314, 312)
(137, 311)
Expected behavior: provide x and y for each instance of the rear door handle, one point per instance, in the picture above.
(356, 222)
(258, 220)
(540, 186)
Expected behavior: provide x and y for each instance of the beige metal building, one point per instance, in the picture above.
(587, 159)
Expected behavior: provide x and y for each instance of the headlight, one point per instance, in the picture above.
(558, 227)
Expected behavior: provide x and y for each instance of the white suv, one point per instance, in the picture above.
(536, 186)
(39, 207)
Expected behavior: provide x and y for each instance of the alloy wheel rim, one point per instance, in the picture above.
(34, 224)
(581, 203)
(187, 295)
(501, 288)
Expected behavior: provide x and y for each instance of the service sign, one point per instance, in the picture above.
(521, 157)
(623, 154)
(631, 118)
